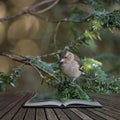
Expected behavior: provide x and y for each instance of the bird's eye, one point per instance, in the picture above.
(65, 57)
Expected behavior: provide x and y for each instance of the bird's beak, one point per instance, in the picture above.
(62, 60)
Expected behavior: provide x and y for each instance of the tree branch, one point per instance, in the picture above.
(31, 11)
(26, 61)
(64, 20)
(42, 3)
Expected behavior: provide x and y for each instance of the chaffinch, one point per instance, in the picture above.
(70, 65)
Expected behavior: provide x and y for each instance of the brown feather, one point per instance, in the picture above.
(71, 64)
(76, 58)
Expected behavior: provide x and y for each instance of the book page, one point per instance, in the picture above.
(44, 103)
(81, 102)
(38, 100)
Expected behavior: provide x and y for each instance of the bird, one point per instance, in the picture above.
(70, 65)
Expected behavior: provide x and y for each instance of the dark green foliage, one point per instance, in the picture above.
(48, 67)
(66, 89)
(109, 19)
(10, 78)
(99, 82)
(100, 19)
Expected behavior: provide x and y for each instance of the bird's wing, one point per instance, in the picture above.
(76, 58)
(80, 63)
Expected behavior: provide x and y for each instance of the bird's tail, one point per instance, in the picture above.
(85, 74)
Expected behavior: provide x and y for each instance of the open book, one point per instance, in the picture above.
(36, 101)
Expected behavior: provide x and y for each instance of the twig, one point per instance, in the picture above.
(47, 72)
(55, 35)
(51, 54)
(14, 57)
(42, 3)
(13, 16)
(37, 70)
(64, 20)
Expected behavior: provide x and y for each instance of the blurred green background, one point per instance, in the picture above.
(28, 35)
